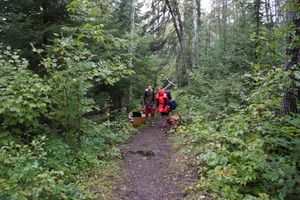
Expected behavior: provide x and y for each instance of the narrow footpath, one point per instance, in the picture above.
(147, 161)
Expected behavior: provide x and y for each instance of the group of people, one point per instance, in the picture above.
(162, 101)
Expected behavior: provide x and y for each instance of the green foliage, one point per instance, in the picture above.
(25, 176)
(72, 76)
(25, 22)
(50, 168)
(53, 95)
(244, 147)
(53, 168)
(248, 152)
(24, 95)
(82, 67)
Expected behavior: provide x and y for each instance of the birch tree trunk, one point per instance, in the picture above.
(194, 39)
(131, 49)
(258, 21)
(132, 29)
(224, 16)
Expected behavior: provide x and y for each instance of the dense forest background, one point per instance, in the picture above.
(71, 70)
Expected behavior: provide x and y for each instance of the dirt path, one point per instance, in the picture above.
(147, 160)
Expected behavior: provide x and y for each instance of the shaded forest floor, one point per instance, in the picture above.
(152, 169)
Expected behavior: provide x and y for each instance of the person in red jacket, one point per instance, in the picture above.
(162, 106)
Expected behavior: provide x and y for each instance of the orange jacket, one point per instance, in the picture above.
(162, 99)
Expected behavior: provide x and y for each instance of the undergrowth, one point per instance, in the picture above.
(51, 168)
(243, 150)
(48, 147)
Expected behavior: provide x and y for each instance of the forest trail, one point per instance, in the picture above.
(147, 165)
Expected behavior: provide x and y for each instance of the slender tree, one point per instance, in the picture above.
(173, 7)
(257, 5)
(289, 103)
(131, 49)
(278, 11)
(198, 2)
(224, 25)
(195, 34)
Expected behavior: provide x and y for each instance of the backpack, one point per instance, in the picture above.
(172, 104)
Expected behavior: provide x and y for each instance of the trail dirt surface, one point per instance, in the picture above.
(147, 161)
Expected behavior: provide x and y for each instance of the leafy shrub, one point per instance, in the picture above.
(71, 77)
(251, 153)
(51, 168)
(24, 174)
(23, 94)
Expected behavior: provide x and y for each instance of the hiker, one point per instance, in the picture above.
(149, 102)
(162, 106)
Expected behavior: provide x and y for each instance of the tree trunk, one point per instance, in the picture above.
(278, 11)
(155, 14)
(271, 14)
(257, 19)
(131, 50)
(177, 68)
(153, 7)
(289, 102)
(207, 40)
(194, 39)
(198, 2)
(132, 30)
(46, 20)
(267, 9)
(224, 16)
(178, 25)
(243, 9)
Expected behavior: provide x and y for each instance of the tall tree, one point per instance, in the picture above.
(195, 33)
(224, 21)
(257, 5)
(131, 48)
(173, 6)
(198, 2)
(289, 103)
(278, 11)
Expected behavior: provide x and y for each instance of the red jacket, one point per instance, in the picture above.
(162, 99)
